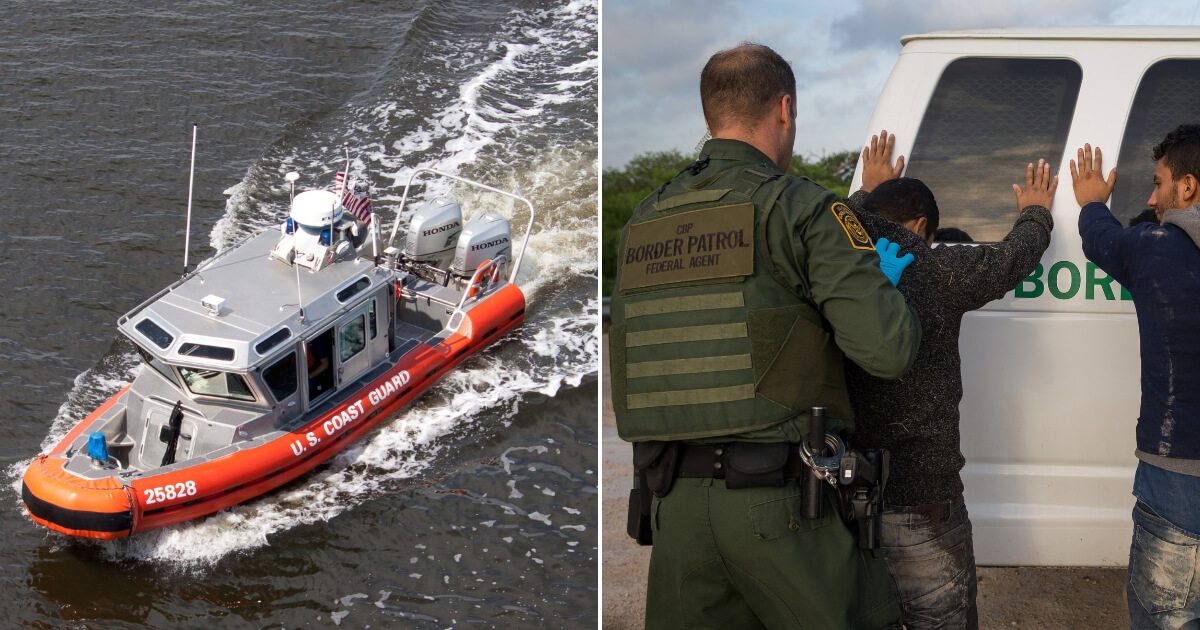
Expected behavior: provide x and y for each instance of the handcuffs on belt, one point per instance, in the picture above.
(825, 467)
(859, 476)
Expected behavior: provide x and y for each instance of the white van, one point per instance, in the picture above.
(1051, 371)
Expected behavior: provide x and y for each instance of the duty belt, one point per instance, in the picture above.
(860, 477)
(743, 464)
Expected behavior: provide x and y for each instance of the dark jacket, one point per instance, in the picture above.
(916, 417)
(1160, 267)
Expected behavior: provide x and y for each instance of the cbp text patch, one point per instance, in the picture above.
(690, 246)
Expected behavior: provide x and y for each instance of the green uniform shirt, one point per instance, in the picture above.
(816, 249)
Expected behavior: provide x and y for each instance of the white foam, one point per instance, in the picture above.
(349, 599)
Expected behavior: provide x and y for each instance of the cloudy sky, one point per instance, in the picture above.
(841, 51)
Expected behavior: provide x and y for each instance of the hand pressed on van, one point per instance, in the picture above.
(1088, 178)
(877, 161)
(1039, 187)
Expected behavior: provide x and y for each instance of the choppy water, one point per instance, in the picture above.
(475, 508)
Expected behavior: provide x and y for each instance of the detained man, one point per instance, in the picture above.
(1160, 267)
(925, 534)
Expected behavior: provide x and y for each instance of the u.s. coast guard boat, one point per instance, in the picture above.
(275, 354)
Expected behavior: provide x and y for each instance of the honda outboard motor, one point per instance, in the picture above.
(485, 237)
(433, 232)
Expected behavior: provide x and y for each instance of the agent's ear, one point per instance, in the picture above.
(787, 111)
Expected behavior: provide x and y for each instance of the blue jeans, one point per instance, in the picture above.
(929, 553)
(1163, 585)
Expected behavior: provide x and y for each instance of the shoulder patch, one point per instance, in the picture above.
(859, 239)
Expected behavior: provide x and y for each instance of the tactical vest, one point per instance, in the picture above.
(706, 338)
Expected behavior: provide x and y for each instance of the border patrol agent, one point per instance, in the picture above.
(739, 291)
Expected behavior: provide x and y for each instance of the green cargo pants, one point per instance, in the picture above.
(746, 559)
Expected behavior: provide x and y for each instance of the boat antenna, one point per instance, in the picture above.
(341, 193)
(299, 295)
(374, 228)
(187, 230)
(346, 180)
(291, 177)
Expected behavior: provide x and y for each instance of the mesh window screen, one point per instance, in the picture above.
(988, 118)
(1168, 96)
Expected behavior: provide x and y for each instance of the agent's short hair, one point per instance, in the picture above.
(1180, 151)
(903, 200)
(739, 86)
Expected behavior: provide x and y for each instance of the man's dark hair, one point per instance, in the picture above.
(1180, 151)
(903, 200)
(739, 86)
(952, 235)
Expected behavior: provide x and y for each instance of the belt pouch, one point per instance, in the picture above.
(659, 463)
(654, 467)
(638, 523)
(754, 465)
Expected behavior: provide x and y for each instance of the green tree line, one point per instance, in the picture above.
(623, 188)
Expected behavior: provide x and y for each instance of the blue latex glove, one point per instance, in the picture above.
(890, 261)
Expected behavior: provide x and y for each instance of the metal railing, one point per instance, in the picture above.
(477, 288)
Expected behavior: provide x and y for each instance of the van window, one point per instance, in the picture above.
(1168, 96)
(989, 118)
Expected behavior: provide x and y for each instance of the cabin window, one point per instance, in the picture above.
(987, 119)
(1168, 96)
(358, 287)
(281, 377)
(350, 338)
(274, 340)
(155, 333)
(158, 366)
(371, 318)
(201, 351)
(216, 383)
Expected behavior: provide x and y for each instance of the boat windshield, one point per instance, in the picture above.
(216, 383)
(158, 366)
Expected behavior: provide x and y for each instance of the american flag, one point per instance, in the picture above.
(339, 184)
(355, 200)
